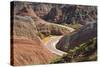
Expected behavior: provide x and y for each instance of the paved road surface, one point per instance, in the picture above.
(51, 45)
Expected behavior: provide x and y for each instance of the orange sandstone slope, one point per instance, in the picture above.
(27, 51)
(27, 47)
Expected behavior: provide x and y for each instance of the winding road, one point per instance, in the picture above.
(51, 45)
(53, 40)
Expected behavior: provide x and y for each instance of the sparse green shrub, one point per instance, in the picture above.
(75, 25)
(85, 52)
(41, 35)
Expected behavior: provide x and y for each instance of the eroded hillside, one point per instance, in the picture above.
(43, 33)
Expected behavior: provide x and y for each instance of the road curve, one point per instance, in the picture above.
(51, 45)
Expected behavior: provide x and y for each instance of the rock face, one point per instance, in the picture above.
(27, 48)
(75, 39)
(60, 14)
(55, 15)
(70, 14)
(79, 14)
(42, 10)
(43, 26)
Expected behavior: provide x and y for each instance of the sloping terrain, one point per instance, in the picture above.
(43, 32)
(43, 26)
(71, 14)
(84, 52)
(27, 51)
(75, 39)
(61, 13)
(27, 48)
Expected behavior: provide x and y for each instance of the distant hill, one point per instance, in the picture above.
(62, 13)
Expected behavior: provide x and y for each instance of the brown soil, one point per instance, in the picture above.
(30, 52)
